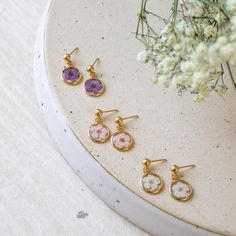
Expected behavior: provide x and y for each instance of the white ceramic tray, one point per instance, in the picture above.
(169, 125)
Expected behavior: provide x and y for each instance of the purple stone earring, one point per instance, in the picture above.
(71, 75)
(93, 86)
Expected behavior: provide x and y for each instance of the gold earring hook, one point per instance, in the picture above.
(99, 113)
(74, 51)
(96, 60)
(188, 166)
(68, 55)
(147, 162)
(119, 120)
(112, 110)
(130, 117)
(90, 68)
(175, 169)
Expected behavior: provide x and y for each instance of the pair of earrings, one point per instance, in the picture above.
(73, 76)
(152, 183)
(100, 133)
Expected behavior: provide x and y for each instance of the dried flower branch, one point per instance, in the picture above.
(196, 42)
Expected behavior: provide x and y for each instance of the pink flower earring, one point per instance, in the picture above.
(98, 132)
(121, 140)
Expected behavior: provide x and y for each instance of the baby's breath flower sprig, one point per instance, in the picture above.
(194, 45)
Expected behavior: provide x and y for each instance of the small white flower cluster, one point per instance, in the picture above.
(193, 46)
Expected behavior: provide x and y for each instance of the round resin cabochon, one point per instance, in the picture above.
(151, 183)
(99, 133)
(181, 190)
(171, 126)
(71, 75)
(94, 87)
(122, 141)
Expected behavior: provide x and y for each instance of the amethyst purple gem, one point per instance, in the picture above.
(94, 87)
(71, 75)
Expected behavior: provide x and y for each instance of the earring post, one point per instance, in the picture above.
(159, 160)
(97, 59)
(74, 51)
(130, 117)
(188, 166)
(112, 110)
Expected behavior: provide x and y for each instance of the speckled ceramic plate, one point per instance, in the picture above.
(169, 125)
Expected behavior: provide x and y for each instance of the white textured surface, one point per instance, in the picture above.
(39, 194)
(169, 126)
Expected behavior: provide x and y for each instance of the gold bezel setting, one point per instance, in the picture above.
(77, 81)
(181, 198)
(159, 186)
(92, 93)
(125, 142)
(99, 139)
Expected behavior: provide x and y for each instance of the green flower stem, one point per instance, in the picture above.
(217, 5)
(175, 9)
(143, 25)
(231, 74)
(140, 15)
(161, 18)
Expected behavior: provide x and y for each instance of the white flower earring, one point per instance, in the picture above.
(151, 182)
(98, 132)
(180, 189)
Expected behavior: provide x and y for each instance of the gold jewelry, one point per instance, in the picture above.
(151, 182)
(98, 132)
(122, 140)
(180, 189)
(93, 86)
(71, 75)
